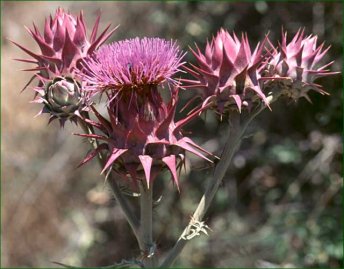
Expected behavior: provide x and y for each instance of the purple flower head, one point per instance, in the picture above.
(133, 64)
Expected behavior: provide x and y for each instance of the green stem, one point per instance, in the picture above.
(148, 250)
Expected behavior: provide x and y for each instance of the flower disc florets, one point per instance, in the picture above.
(132, 64)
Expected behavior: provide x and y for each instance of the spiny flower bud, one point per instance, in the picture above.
(228, 73)
(63, 45)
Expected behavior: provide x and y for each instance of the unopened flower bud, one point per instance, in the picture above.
(63, 99)
(64, 95)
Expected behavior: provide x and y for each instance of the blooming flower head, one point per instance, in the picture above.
(134, 64)
(228, 73)
(297, 64)
(141, 136)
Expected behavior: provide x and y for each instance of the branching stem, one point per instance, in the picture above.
(237, 127)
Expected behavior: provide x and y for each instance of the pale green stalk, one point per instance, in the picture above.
(146, 228)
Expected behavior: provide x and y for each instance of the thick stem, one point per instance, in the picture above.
(236, 132)
(123, 203)
(232, 144)
(127, 210)
(148, 250)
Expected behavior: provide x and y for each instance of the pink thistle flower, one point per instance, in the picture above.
(296, 65)
(63, 44)
(228, 73)
(132, 64)
(142, 138)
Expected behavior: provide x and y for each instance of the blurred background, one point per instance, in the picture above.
(280, 204)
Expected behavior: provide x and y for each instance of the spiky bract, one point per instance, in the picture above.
(141, 137)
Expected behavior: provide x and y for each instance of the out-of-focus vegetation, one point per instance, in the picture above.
(280, 203)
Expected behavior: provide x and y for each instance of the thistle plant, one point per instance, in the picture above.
(138, 136)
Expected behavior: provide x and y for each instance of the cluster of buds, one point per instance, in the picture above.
(230, 76)
(63, 45)
(140, 135)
